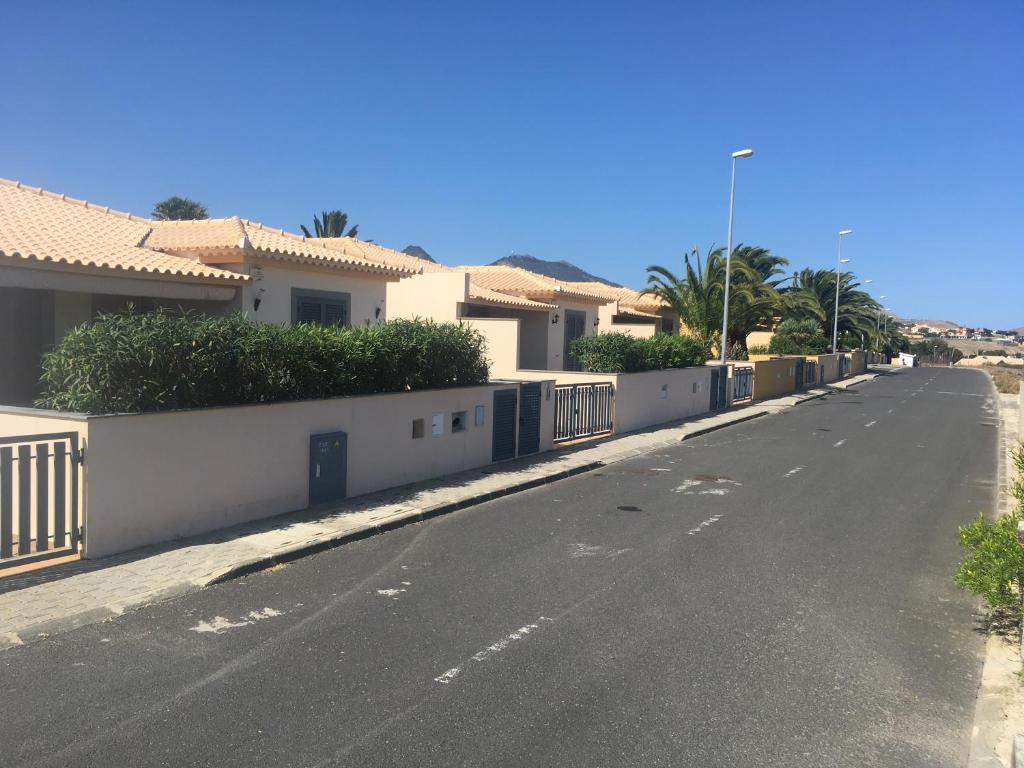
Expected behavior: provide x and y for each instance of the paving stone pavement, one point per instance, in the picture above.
(108, 587)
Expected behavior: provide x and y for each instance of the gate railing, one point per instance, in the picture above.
(39, 486)
(742, 383)
(583, 410)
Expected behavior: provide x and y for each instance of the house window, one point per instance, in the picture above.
(668, 325)
(321, 307)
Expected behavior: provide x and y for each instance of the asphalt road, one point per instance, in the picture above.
(773, 594)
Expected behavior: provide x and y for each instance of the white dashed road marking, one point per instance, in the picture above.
(704, 524)
(448, 675)
(219, 624)
(839, 443)
(793, 471)
(871, 424)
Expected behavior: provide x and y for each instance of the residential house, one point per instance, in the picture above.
(62, 261)
(632, 312)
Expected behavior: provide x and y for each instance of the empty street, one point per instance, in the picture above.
(777, 593)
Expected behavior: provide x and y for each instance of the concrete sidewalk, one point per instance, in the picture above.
(100, 589)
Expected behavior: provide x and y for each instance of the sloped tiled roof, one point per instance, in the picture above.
(209, 237)
(521, 282)
(393, 258)
(486, 295)
(378, 253)
(41, 226)
(627, 297)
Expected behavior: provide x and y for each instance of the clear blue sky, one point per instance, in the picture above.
(593, 132)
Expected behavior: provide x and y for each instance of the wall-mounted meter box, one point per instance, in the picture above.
(328, 467)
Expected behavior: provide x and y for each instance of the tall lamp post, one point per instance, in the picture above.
(839, 262)
(728, 254)
(878, 322)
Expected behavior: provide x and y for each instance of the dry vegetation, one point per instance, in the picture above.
(1007, 380)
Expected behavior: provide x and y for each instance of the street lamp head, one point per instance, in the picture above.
(881, 297)
(743, 153)
(845, 231)
(869, 280)
(844, 261)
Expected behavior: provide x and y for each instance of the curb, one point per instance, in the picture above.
(413, 516)
(716, 427)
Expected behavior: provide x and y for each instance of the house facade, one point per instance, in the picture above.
(63, 261)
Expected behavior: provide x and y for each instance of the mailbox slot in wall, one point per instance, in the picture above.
(328, 467)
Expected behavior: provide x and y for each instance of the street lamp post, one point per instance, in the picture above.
(728, 254)
(878, 323)
(839, 262)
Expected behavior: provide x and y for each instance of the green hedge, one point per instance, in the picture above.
(621, 353)
(133, 362)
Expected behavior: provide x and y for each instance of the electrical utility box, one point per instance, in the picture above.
(328, 467)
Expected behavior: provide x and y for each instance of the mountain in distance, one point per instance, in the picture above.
(418, 252)
(556, 270)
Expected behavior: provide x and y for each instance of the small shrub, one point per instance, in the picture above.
(798, 337)
(131, 362)
(993, 564)
(622, 353)
(759, 349)
(738, 352)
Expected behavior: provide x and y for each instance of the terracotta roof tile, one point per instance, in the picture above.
(521, 282)
(381, 255)
(40, 226)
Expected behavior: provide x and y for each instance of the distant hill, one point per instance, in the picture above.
(942, 325)
(557, 270)
(419, 253)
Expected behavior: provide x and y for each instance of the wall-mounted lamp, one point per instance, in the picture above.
(597, 321)
(554, 319)
(257, 300)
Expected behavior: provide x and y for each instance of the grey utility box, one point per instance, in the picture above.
(328, 467)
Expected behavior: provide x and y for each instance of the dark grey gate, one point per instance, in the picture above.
(529, 419)
(798, 374)
(40, 478)
(742, 383)
(575, 327)
(719, 382)
(328, 467)
(503, 439)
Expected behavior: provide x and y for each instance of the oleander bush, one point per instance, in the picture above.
(622, 353)
(134, 362)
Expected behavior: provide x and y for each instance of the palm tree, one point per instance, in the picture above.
(697, 296)
(176, 208)
(331, 224)
(813, 295)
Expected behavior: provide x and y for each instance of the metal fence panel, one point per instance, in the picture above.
(38, 516)
(583, 410)
(742, 383)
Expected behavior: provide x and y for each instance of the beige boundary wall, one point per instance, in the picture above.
(648, 398)
(858, 362)
(829, 364)
(774, 377)
(154, 477)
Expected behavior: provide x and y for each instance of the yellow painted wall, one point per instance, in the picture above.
(774, 378)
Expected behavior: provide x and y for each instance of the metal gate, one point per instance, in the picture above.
(503, 439)
(798, 373)
(844, 366)
(742, 383)
(810, 373)
(719, 382)
(529, 419)
(40, 477)
(583, 410)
